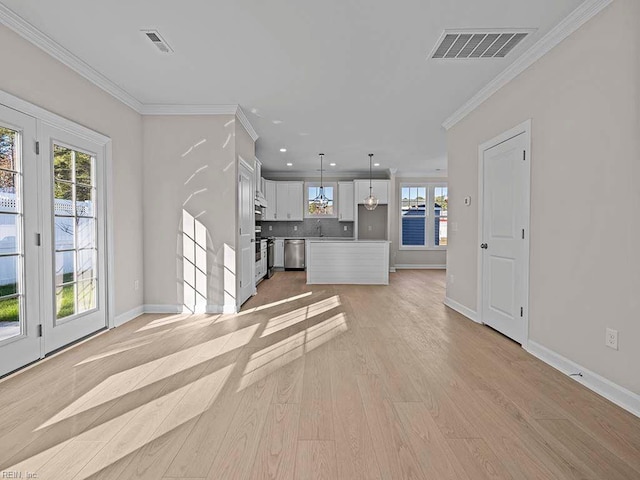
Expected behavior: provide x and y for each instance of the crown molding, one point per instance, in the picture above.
(166, 109)
(577, 18)
(57, 51)
(246, 124)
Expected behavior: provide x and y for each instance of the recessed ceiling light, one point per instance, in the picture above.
(332, 164)
(283, 150)
(289, 164)
(277, 122)
(376, 164)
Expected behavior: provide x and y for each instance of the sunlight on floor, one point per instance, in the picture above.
(274, 304)
(291, 318)
(144, 375)
(268, 360)
(89, 452)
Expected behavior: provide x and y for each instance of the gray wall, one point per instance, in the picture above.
(181, 172)
(331, 227)
(372, 224)
(584, 101)
(38, 78)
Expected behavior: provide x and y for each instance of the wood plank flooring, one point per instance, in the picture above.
(318, 382)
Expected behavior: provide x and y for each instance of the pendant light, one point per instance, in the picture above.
(321, 201)
(371, 202)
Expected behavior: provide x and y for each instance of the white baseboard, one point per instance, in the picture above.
(128, 316)
(458, 307)
(622, 397)
(150, 308)
(409, 266)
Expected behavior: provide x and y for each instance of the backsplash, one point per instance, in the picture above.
(330, 227)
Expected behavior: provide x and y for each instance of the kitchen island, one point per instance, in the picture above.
(360, 262)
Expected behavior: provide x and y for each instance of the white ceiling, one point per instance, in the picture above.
(345, 77)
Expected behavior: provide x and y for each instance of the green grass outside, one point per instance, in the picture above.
(10, 307)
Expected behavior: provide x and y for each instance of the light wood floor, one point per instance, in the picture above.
(347, 382)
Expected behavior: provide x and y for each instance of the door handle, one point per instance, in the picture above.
(484, 246)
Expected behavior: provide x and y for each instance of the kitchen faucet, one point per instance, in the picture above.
(319, 228)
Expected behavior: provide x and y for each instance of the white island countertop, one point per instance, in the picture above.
(360, 262)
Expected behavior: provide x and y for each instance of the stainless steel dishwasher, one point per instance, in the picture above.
(294, 254)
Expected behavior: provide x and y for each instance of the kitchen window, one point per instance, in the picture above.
(312, 190)
(423, 216)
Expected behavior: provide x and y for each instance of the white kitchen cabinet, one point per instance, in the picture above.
(270, 195)
(289, 201)
(278, 259)
(379, 188)
(346, 202)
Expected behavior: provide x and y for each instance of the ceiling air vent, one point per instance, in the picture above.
(478, 44)
(158, 41)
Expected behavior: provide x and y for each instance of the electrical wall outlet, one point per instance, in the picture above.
(611, 340)
(295, 228)
(452, 279)
(270, 227)
(136, 285)
(345, 228)
(369, 227)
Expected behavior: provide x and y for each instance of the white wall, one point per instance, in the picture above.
(584, 101)
(189, 165)
(38, 78)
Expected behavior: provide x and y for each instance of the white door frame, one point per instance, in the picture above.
(522, 129)
(45, 117)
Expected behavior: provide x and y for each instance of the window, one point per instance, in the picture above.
(312, 190)
(423, 213)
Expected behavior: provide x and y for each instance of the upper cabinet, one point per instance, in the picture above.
(379, 188)
(289, 201)
(346, 202)
(270, 213)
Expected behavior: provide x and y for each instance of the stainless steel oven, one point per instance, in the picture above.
(258, 211)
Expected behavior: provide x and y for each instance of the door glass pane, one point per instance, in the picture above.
(8, 198)
(76, 242)
(65, 300)
(86, 233)
(86, 296)
(62, 163)
(83, 169)
(9, 275)
(64, 267)
(8, 233)
(9, 317)
(85, 267)
(64, 230)
(84, 201)
(11, 297)
(63, 193)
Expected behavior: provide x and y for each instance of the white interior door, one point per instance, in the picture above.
(504, 251)
(20, 314)
(74, 237)
(246, 202)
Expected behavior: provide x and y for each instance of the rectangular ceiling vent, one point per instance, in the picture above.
(478, 44)
(158, 41)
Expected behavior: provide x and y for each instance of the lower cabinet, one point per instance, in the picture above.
(278, 260)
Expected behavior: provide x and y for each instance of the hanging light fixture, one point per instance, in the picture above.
(321, 202)
(371, 202)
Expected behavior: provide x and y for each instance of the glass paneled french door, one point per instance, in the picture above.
(52, 239)
(20, 313)
(74, 238)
